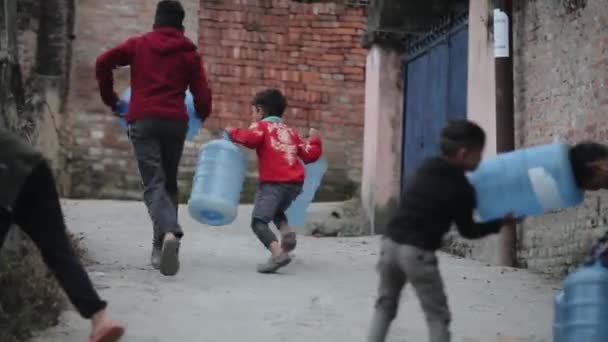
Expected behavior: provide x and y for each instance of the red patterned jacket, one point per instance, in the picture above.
(279, 149)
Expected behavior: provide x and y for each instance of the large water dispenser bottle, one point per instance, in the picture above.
(296, 213)
(525, 182)
(558, 307)
(217, 184)
(584, 315)
(194, 124)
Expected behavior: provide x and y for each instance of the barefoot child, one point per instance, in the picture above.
(438, 195)
(279, 150)
(164, 63)
(29, 199)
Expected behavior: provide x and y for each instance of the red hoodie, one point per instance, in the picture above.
(278, 148)
(164, 63)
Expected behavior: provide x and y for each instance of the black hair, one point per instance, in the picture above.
(583, 154)
(271, 102)
(459, 134)
(169, 13)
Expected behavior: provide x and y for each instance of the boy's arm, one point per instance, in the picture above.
(310, 151)
(200, 89)
(121, 55)
(463, 217)
(250, 137)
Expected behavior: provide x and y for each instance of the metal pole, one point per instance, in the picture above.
(505, 127)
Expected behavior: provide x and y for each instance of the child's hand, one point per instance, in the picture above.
(120, 109)
(313, 132)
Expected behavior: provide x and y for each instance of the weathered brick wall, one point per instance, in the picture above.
(561, 65)
(309, 51)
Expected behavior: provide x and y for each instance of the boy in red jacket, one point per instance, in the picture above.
(164, 63)
(279, 150)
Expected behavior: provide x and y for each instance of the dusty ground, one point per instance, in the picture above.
(325, 295)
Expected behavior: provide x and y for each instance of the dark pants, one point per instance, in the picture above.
(399, 264)
(158, 146)
(271, 202)
(37, 212)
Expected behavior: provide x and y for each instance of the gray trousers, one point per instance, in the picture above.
(158, 146)
(271, 202)
(399, 264)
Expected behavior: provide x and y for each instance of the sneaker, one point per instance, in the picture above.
(155, 257)
(288, 242)
(274, 263)
(169, 257)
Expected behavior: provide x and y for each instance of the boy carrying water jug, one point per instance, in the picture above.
(279, 149)
(164, 63)
(438, 195)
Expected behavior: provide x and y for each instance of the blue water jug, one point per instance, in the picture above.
(193, 125)
(296, 213)
(584, 316)
(525, 182)
(558, 308)
(217, 184)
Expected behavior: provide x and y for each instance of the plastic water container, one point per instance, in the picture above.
(525, 182)
(558, 307)
(193, 125)
(584, 316)
(296, 213)
(217, 184)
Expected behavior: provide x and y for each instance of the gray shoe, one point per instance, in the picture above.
(169, 257)
(274, 263)
(289, 242)
(155, 257)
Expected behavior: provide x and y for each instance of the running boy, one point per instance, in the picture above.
(438, 195)
(29, 199)
(281, 173)
(164, 63)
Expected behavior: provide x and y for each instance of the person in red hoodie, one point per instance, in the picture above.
(279, 150)
(164, 63)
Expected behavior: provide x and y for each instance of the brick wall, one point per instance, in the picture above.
(309, 51)
(561, 65)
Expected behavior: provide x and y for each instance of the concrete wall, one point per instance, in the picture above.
(561, 67)
(381, 179)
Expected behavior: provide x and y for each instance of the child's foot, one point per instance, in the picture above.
(105, 330)
(274, 263)
(155, 257)
(169, 256)
(289, 241)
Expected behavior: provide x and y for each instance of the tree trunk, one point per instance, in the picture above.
(52, 34)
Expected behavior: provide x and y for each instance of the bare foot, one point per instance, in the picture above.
(275, 249)
(104, 329)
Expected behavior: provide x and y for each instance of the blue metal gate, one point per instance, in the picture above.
(435, 91)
